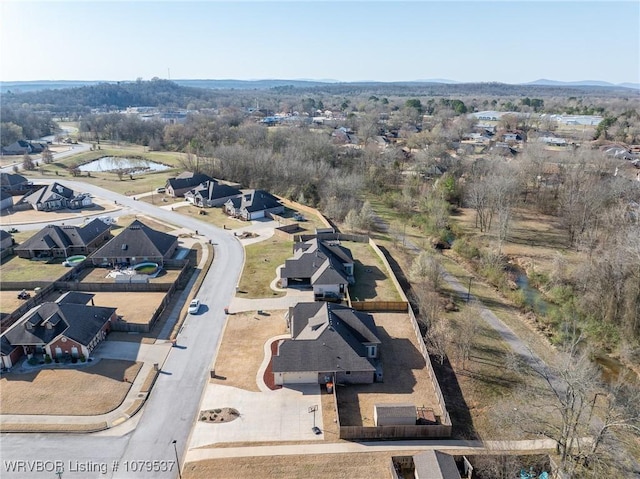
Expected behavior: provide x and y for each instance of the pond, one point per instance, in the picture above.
(129, 166)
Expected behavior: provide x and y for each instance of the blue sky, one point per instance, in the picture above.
(509, 42)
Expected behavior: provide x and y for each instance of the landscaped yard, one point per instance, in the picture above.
(241, 350)
(81, 391)
(20, 269)
(406, 379)
(15, 218)
(261, 261)
(372, 279)
(214, 216)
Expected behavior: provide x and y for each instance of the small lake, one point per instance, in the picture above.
(130, 166)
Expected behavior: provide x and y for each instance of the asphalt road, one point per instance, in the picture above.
(171, 410)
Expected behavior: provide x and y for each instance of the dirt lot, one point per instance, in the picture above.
(14, 218)
(9, 302)
(241, 349)
(99, 275)
(405, 375)
(335, 466)
(94, 389)
(136, 308)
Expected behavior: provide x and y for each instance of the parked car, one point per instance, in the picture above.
(160, 190)
(194, 306)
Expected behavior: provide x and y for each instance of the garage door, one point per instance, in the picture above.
(305, 377)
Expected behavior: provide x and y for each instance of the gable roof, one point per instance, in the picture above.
(137, 239)
(51, 192)
(435, 465)
(47, 321)
(255, 200)
(4, 195)
(212, 190)
(326, 337)
(188, 179)
(61, 237)
(4, 235)
(321, 261)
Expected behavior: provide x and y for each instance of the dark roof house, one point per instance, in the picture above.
(21, 147)
(6, 200)
(67, 326)
(211, 193)
(14, 182)
(184, 182)
(65, 241)
(329, 342)
(325, 265)
(253, 204)
(54, 197)
(137, 243)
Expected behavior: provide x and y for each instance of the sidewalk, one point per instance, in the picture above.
(452, 446)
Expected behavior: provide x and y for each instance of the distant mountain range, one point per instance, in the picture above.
(545, 82)
(227, 84)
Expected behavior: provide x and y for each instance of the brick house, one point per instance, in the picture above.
(68, 327)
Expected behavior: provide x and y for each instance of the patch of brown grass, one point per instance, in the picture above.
(241, 349)
(261, 261)
(335, 466)
(372, 278)
(99, 426)
(96, 389)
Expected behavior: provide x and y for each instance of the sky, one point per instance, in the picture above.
(478, 41)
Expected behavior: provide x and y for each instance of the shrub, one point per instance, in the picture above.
(466, 249)
(82, 359)
(32, 361)
(47, 359)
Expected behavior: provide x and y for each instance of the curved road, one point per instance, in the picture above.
(170, 412)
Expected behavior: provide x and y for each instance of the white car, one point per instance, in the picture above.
(194, 306)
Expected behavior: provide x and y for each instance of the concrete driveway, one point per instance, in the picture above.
(293, 297)
(281, 415)
(147, 353)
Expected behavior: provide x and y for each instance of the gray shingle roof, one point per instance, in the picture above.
(49, 193)
(137, 240)
(53, 236)
(188, 179)
(435, 465)
(326, 337)
(212, 190)
(255, 200)
(319, 261)
(11, 180)
(78, 322)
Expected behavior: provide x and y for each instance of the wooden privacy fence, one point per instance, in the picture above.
(395, 432)
(398, 306)
(307, 209)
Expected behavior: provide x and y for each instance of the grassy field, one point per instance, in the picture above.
(214, 216)
(241, 350)
(94, 389)
(372, 279)
(20, 269)
(261, 261)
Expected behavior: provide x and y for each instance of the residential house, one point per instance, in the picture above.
(14, 183)
(184, 182)
(253, 204)
(137, 243)
(54, 197)
(6, 244)
(211, 193)
(513, 137)
(68, 327)
(329, 343)
(64, 241)
(324, 265)
(9, 354)
(21, 147)
(6, 200)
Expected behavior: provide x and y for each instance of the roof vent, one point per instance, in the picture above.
(124, 247)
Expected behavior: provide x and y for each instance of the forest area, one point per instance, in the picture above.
(493, 195)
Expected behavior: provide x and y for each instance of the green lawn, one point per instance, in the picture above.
(372, 278)
(20, 269)
(261, 261)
